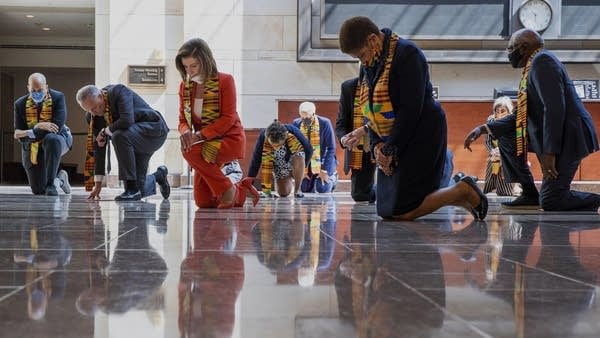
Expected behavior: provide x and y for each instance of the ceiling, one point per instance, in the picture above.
(67, 25)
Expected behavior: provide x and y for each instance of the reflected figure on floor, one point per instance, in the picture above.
(281, 153)
(406, 126)
(494, 178)
(132, 278)
(388, 280)
(116, 114)
(548, 296)
(210, 127)
(320, 175)
(42, 255)
(211, 278)
(321, 226)
(40, 128)
(303, 242)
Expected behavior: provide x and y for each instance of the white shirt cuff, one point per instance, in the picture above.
(98, 178)
(30, 133)
(107, 131)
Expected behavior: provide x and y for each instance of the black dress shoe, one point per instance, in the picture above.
(480, 211)
(161, 178)
(129, 195)
(524, 201)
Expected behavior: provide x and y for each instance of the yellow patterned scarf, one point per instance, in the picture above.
(90, 159)
(31, 115)
(358, 120)
(379, 111)
(268, 158)
(210, 112)
(313, 134)
(521, 120)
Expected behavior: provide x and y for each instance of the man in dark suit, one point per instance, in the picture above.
(551, 122)
(321, 174)
(117, 113)
(40, 128)
(357, 158)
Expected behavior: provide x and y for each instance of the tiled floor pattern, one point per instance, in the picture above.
(321, 266)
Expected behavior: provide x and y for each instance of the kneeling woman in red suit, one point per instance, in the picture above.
(210, 127)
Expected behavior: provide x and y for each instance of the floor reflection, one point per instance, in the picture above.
(130, 277)
(321, 266)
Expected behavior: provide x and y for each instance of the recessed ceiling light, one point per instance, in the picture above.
(46, 28)
(29, 16)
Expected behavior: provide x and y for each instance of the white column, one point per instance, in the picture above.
(131, 32)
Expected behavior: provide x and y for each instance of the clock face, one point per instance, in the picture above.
(535, 14)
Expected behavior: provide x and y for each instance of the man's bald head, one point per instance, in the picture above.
(528, 36)
(526, 41)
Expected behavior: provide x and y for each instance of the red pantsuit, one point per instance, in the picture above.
(209, 181)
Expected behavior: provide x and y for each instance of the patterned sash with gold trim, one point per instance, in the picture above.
(358, 120)
(268, 158)
(31, 116)
(90, 158)
(380, 112)
(521, 120)
(210, 112)
(313, 134)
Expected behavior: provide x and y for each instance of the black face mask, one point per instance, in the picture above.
(307, 121)
(515, 58)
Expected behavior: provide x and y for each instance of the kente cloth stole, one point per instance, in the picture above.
(32, 118)
(268, 158)
(358, 121)
(314, 224)
(521, 120)
(313, 134)
(380, 112)
(210, 112)
(90, 158)
(496, 163)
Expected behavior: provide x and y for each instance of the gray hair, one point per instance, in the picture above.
(87, 91)
(503, 101)
(36, 76)
(307, 107)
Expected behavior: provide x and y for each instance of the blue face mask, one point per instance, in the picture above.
(38, 96)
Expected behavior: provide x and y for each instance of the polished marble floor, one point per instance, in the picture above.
(321, 266)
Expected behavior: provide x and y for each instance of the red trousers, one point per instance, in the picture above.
(209, 181)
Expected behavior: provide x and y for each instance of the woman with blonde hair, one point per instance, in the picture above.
(210, 127)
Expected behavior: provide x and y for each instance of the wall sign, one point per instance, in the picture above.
(146, 75)
(587, 89)
(436, 92)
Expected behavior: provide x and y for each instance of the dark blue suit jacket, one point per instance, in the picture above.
(328, 159)
(59, 113)
(557, 122)
(126, 108)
